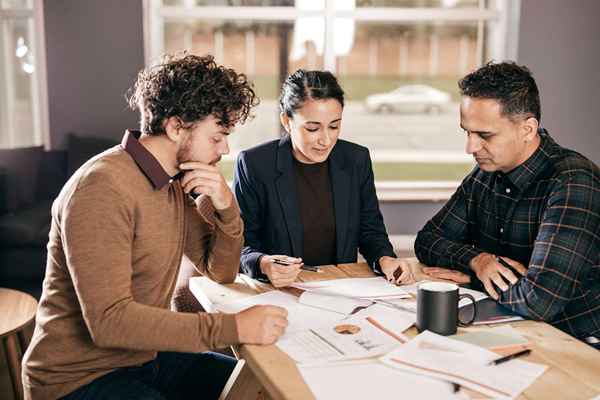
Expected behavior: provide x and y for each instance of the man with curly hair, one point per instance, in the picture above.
(120, 228)
(526, 221)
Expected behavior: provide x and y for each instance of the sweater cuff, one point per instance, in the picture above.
(229, 214)
(229, 331)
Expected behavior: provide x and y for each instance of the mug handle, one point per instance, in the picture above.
(462, 296)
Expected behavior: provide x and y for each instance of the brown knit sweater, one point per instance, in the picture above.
(119, 231)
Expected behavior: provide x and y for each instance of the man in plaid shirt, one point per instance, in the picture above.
(529, 202)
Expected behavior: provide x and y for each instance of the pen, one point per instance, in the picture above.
(455, 387)
(504, 263)
(310, 268)
(510, 357)
(304, 267)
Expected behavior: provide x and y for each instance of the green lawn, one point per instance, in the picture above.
(400, 171)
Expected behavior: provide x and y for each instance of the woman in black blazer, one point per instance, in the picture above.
(309, 197)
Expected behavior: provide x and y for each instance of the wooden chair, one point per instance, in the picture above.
(18, 313)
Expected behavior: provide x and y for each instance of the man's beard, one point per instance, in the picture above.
(185, 155)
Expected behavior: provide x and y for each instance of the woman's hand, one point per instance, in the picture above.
(280, 275)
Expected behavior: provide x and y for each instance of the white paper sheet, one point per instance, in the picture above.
(357, 337)
(359, 380)
(343, 305)
(393, 319)
(300, 316)
(437, 356)
(407, 305)
(363, 288)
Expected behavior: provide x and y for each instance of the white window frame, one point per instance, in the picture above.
(39, 87)
(502, 34)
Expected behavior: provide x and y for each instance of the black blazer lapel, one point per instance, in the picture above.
(341, 187)
(288, 197)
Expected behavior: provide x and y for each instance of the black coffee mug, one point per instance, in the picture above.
(437, 308)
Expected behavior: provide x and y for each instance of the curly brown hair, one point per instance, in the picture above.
(190, 88)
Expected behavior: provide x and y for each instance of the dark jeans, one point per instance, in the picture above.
(169, 376)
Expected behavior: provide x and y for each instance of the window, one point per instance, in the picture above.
(23, 98)
(398, 61)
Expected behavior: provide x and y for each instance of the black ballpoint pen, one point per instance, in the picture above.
(304, 267)
(510, 357)
(455, 387)
(504, 263)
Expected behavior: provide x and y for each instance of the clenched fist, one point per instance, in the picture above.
(261, 324)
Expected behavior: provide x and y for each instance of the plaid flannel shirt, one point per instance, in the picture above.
(544, 214)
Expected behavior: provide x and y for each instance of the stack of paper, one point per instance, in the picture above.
(339, 334)
(327, 327)
(340, 304)
(368, 379)
(360, 338)
(371, 332)
(361, 288)
(300, 317)
(440, 357)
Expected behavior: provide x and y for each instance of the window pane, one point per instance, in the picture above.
(17, 78)
(418, 3)
(235, 3)
(16, 4)
(401, 86)
(254, 48)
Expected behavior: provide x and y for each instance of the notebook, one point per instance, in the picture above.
(488, 312)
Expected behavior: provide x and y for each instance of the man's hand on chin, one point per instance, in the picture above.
(206, 179)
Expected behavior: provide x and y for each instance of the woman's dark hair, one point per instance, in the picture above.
(510, 84)
(190, 88)
(304, 85)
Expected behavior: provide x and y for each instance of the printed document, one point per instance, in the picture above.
(437, 356)
(362, 288)
(340, 304)
(363, 335)
(369, 379)
(300, 317)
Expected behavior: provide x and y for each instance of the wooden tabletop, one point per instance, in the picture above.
(573, 367)
(17, 309)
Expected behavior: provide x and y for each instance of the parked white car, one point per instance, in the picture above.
(417, 98)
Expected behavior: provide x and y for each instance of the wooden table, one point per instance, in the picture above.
(573, 367)
(17, 312)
